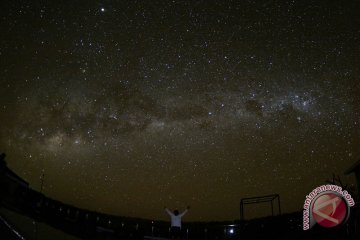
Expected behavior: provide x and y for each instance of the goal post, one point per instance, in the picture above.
(260, 199)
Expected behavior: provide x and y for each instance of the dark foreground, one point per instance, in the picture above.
(281, 227)
(28, 214)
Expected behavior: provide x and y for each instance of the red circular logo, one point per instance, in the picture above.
(329, 210)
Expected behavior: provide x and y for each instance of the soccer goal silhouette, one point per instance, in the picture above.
(262, 199)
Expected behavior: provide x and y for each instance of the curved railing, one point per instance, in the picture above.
(35, 216)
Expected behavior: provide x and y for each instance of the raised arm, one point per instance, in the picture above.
(185, 211)
(168, 211)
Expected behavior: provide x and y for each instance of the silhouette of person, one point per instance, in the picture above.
(176, 222)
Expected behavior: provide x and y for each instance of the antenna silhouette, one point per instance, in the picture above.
(42, 182)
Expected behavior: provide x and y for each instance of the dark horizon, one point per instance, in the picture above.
(127, 107)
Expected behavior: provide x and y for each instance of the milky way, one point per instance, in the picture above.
(126, 107)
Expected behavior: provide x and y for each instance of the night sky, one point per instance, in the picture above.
(130, 106)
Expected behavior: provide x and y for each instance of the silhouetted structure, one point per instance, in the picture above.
(261, 199)
(355, 169)
(16, 196)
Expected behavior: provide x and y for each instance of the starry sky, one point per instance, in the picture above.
(130, 106)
